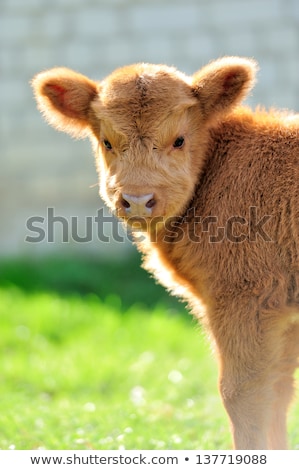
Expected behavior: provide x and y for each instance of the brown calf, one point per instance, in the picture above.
(214, 189)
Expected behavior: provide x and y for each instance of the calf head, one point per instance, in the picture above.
(149, 125)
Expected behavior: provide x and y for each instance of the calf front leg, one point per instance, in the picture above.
(249, 347)
(248, 404)
(284, 388)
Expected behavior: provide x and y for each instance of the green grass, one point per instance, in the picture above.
(90, 361)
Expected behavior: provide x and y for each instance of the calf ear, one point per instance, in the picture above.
(222, 84)
(64, 98)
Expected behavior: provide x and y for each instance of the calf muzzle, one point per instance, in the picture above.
(140, 206)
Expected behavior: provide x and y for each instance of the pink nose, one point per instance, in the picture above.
(140, 206)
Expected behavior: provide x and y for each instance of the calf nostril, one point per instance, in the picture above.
(150, 204)
(125, 203)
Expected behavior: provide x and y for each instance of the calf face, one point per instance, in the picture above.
(149, 127)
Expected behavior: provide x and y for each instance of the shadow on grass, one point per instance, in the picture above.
(82, 276)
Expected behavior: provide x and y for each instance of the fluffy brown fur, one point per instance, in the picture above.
(211, 191)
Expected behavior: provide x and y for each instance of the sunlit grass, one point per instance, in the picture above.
(84, 372)
(78, 374)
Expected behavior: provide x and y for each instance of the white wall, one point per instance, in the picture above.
(41, 168)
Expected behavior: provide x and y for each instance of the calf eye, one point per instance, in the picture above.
(179, 142)
(107, 144)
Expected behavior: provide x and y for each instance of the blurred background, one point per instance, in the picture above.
(42, 169)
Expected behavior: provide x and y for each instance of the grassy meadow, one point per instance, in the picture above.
(96, 356)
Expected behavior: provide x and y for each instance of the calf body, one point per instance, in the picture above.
(211, 191)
